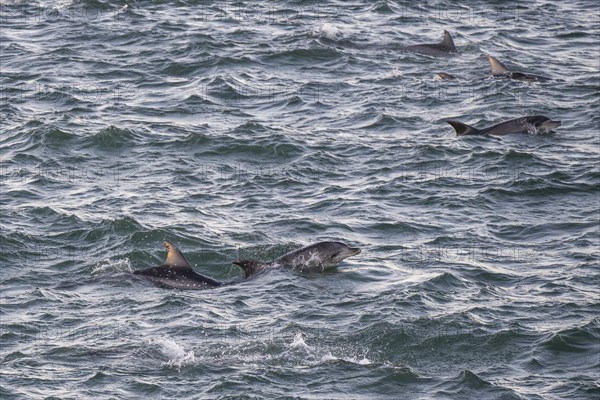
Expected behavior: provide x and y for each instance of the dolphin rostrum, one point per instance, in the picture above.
(176, 272)
(499, 70)
(314, 258)
(518, 125)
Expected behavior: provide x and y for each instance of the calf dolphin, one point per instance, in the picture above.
(518, 125)
(176, 272)
(499, 70)
(314, 258)
(434, 49)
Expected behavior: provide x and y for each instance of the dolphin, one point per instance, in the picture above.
(518, 125)
(434, 49)
(176, 272)
(314, 258)
(499, 70)
(443, 76)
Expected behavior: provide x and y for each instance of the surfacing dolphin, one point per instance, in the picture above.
(499, 70)
(535, 123)
(314, 258)
(176, 272)
(446, 46)
(443, 76)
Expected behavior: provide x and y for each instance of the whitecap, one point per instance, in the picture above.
(119, 265)
(173, 352)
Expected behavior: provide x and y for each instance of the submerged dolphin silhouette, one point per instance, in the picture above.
(518, 125)
(176, 272)
(314, 258)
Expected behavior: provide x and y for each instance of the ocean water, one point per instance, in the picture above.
(249, 129)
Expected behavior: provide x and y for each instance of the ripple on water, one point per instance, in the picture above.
(251, 130)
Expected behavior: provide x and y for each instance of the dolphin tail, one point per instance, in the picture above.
(448, 42)
(463, 129)
(497, 67)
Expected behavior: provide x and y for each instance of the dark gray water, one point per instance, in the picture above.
(241, 129)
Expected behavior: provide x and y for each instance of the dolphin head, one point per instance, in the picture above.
(333, 253)
(543, 123)
(549, 125)
(249, 267)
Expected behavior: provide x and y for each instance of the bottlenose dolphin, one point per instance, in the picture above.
(434, 49)
(499, 70)
(518, 125)
(443, 75)
(314, 258)
(176, 272)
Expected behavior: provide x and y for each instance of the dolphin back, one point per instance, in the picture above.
(463, 129)
(497, 67)
(448, 42)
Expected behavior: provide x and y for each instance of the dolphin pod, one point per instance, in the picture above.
(527, 124)
(446, 47)
(176, 272)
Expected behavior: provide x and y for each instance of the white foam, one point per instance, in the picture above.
(173, 351)
(354, 360)
(328, 357)
(299, 344)
(119, 265)
(364, 361)
(325, 30)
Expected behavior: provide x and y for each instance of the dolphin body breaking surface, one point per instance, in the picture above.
(314, 258)
(443, 76)
(499, 70)
(176, 272)
(446, 46)
(518, 125)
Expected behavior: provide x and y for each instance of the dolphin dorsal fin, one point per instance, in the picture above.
(175, 257)
(448, 42)
(463, 129)
(497, 67)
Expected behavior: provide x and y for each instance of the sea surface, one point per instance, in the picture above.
(250, 129)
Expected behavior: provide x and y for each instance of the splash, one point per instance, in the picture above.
(354, 360)
(326, 31)
(299, 344)
(119, 265)
(174, 352)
